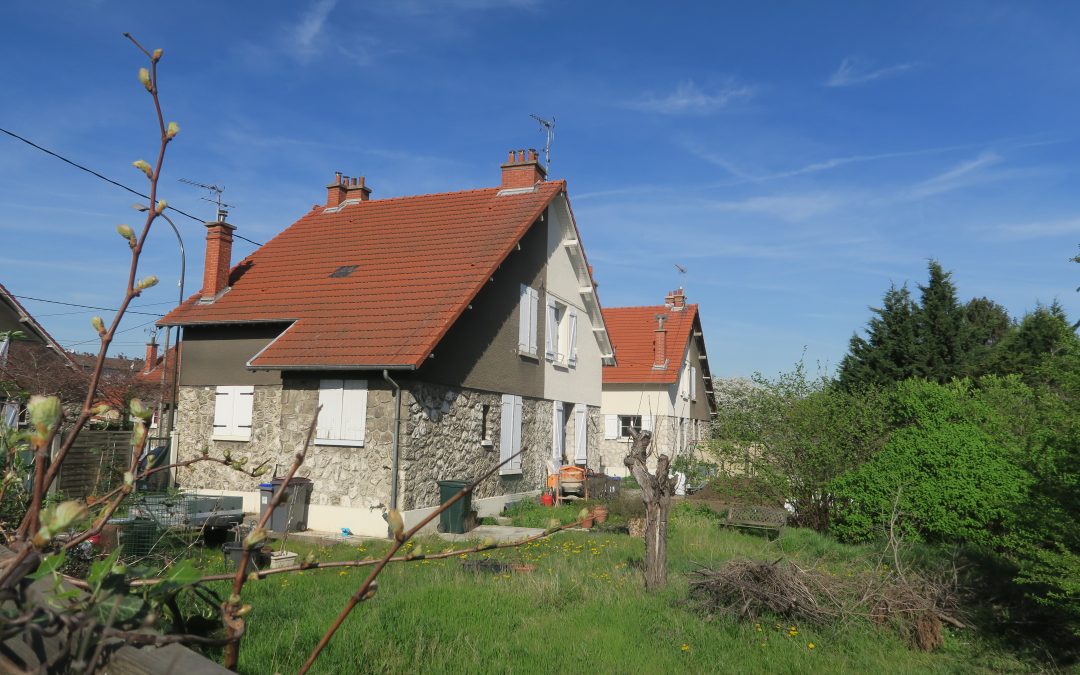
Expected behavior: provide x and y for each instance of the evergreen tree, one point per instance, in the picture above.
(986, 323)
(1043, 333)
(940, 327)
(890, 352)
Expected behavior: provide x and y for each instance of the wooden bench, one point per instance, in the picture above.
(757, 518)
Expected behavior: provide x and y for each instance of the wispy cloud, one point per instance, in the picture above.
(1039, 229)
(964, 174)
(854, 71)
(305, 36)
(689, 98)
(791, 207)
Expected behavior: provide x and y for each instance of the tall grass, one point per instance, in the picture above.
(582, 609)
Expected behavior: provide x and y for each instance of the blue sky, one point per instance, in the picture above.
(795, 158)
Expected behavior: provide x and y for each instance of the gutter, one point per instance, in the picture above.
(395, 453)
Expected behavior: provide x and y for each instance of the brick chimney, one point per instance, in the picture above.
(676, 300)
(151, 354)
(218, 259)
(522, 170)
(660, 360)
(343, 188)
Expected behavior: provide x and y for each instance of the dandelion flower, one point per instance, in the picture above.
(685, 647)
(810, 645)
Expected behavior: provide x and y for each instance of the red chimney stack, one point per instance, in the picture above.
(522, 170)
(218, 259)
(660, 360)
(344, 187)
(151, 354)
(676, 300)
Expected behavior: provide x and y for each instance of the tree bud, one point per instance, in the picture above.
(66, 514)
(397, 523)
(255, 538)
(172, 130)
(139, 410)
(126, 232)
(44, 414)
(146, 283)
(99, 325)
(157, 55)
(144, 77)
(144, 166)
(161, 205)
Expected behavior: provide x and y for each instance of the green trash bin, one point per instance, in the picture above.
(452, 520)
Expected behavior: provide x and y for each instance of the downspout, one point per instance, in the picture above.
(394, 456)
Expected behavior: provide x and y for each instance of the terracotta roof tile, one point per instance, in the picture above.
(419, 262)
(632, 330)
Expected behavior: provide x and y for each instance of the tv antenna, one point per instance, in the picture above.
(549, 128)
(215, 198)
(681, 268)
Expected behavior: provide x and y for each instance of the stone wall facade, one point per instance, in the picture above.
(665, 441)
(441, 437)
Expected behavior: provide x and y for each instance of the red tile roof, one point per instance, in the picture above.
(632, 330)
(420, 261)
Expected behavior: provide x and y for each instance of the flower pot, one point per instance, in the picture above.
(587, 522)
(600, 514)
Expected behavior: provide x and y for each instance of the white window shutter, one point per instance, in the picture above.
(515, 464)
(581, 435)
(534, 310)
(506, 434)
(549, 332)
(524, 312)
(354, 410)
(558, 436)
(242, 412)
(571, 347)
(611, 427)
(647, 423)
(223, 411)
(329, 424)
(693, 383)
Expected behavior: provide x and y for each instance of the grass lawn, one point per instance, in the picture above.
(583, 609)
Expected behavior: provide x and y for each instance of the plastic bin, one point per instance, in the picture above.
(452, 520)
(291, 515)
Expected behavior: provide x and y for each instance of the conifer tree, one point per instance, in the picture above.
(890, 352)
(940, 328)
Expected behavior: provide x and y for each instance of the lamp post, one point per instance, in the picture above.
(176, 359)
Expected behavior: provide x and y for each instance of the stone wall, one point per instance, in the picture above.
(281, 416)
(441, 440)
(665, 440)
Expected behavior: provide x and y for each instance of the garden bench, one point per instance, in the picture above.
(757, 518)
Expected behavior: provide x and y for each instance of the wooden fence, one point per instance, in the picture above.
(95, 464)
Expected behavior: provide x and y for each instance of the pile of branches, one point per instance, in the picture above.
(747, 589)
(914, 605)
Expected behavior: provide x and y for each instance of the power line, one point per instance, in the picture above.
(96, 339)
(107, 179)
(72, 304)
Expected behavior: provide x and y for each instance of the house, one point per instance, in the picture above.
(440, 333)
(661, 382)
(31, 361)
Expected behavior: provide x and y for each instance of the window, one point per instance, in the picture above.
(628, 422)
(343, 417)
(485, 430)
(232, 412)
(527, 327)
(510, 434)
(561, 335)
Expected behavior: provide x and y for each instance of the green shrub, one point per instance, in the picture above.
(950, 472)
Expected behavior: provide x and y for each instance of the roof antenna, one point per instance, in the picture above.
(549, 128)
(216, 192)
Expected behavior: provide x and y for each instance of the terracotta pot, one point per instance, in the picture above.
(600, 514)
(587, 522)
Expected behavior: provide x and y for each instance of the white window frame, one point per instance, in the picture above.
(233, 408)
(627, 422)
(555, 339)
(343, 418)
(510, 435)
(528, 307)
